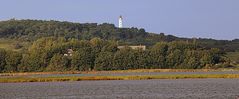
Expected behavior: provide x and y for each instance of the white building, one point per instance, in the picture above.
(120, 22)
(143, 47)
(69, 52)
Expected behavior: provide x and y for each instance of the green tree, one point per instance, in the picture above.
(191, 60)
(140, 59)
(111, 46)
(206, 59)
(104, 61)
(175, 59)
(158, 55)
(58, 63)
(13, 59)
(2, 59)
(123, 59)
(82, 60)
(30, 62)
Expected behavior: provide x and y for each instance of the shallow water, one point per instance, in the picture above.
(124, 89)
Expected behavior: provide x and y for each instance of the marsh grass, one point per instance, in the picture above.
(115, 71)
(144, 77)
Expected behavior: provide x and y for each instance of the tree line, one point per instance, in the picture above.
(47, 54)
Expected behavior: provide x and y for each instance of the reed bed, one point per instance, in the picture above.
(143, 77)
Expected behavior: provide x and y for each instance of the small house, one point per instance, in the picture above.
(143, 47)
(69, 52)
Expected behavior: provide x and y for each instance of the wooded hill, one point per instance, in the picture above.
(31, 30)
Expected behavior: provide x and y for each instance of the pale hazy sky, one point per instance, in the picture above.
(218, 19)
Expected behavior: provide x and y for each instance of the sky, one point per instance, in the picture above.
(217, 19)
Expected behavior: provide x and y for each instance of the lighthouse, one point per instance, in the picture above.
(120, 21)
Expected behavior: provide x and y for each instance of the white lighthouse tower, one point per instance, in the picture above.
(120, 21)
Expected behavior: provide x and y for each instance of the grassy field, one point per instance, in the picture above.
(6, 44)
(145, 77)
(9, 44)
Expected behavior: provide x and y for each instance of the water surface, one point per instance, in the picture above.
(124, 89)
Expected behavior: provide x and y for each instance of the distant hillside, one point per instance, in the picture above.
(34, 29)
(31, 30)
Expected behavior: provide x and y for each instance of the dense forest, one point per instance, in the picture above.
(47, 54)
(43, 44)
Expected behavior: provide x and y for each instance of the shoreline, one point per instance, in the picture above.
(96, 78)
(115, 71)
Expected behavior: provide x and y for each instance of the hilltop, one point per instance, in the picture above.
(31, 30)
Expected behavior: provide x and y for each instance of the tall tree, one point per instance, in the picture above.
(2, 59)
(104, 61)
(58, 63)
(13, 59)
(83, 60)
